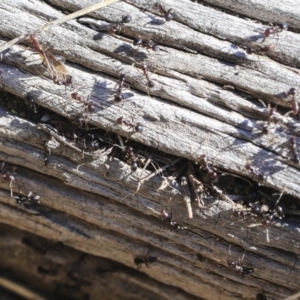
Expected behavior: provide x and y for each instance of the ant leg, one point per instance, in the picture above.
(148, 252)
(217, 221)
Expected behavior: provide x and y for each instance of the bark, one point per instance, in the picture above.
(205, 101)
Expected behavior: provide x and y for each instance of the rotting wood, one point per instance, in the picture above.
(198, 117)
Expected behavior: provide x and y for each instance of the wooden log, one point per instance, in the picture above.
(205, 101)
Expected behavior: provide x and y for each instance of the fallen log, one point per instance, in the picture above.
(207, 145)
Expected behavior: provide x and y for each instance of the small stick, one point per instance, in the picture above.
(186, 196)
(197, 186)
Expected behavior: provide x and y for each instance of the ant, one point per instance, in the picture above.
(7, 177)
(147, 260)
(255, 210)
(138, 127)
(57, 69)
(146, 44)
(237, 265)
(89, 105)
(117, 27)
(295, 106)
(144, 67)
(271, 114)
(31, 198)
(293, 144)
(270, 117)
(92, 142)
(119, 96)
(165, 216)
(131, 158)
(274, 30)
(268, 216)
(68, 81)
(208, 167)
(29, 101)
(254, 171)
(163, 11)
(259, 49)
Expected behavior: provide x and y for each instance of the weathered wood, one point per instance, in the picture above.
(91, 204)
(273, 11)
(62, 269)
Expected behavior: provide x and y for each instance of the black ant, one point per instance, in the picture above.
(29, 101)
(254, 171)
(268, 216)
(31, 198)
(89, 105)
(295, 105)
(241, 213)
(255, 211)
(147, 260)
(274, 30)
(146, 44)
(68, 81)
(88, 141)
(271, 114)
(6, 176)
(166, 13)
(138, 127)
(208, 167)
(237, 265)
(259, 49)
(270, 118)
(119, 96)
(165, 216)
(117, 27)
(293, 144)
(131, 158)
(144, 67)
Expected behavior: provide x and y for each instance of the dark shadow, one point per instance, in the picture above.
(99, 36)
(132, 52)
(254, 38)
(154, 21)
(281, 95)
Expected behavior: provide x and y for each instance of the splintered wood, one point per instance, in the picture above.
(166, 143)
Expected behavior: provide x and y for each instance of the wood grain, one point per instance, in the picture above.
(90, 205)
